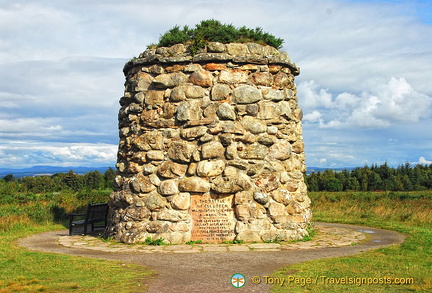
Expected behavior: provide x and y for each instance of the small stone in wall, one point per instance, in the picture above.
(226, 112)
(213, 149)
(282, 80)
(168, 187)
(246, 94)
(188, 110)
(261, 197)
(181, 201)
(242, 212)
(181, 151)
(262, 78)
(220, 92)
(170, 80)
(142, 183)
(281, 196)
(253, 151)
(202, 78)
(273, 94)
(276, 209)
(193, 133)
(214, 66)
(171, 215)
(154, 201)
(237, 49)
(155, 155)
(141, 81)
(281, 150)
(154, 98)
(215, 47)
(268, 110)
(210, 168)
(194, 184)
(231, 76)
(249, 236)
(184, 92)
(253, 125)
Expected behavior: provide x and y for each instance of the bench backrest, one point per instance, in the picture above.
(97, 212)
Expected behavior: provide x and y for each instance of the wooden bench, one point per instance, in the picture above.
(96, 214)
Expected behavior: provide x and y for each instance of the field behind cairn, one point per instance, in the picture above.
(410, 263)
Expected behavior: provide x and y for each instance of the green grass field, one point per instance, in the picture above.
(26, 271)
(409, 213)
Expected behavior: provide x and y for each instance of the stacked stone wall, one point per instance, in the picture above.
(210, 147)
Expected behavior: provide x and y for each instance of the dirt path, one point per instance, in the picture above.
(211, 271)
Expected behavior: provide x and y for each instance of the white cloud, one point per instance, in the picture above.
(380, 106)
(58, 154)
(312, 96)
(346, 101)
(360, 42)
(83, 128)
(398, 101)
(423, 161)
(34, 31)
(28, 126)
(312, 117)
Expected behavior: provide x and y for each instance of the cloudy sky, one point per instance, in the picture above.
(365, 84)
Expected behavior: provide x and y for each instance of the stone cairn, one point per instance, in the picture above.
(211, 147)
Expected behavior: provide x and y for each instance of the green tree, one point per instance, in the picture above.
(375, 182)
(109, 177)
(333, 184)
(39, 184)
(407, 185)
(352, 184)
(73, 181)
(312, 182)
(94, 180)
(8, 188)
(9, 178)
(330, 182)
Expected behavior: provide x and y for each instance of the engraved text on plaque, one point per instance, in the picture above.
(213, 218)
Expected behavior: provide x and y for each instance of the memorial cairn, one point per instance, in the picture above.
(211, 147)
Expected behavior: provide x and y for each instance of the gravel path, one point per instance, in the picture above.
(211, 271)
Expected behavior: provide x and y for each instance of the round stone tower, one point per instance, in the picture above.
(211, 147)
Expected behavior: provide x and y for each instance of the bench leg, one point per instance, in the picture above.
(70, 226)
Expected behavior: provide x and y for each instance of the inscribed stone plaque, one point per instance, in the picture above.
(212, 218)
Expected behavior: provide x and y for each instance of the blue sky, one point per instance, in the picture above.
(365, 84)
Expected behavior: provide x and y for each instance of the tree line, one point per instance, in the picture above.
(93, 180)
(403, 178)
(406, 177)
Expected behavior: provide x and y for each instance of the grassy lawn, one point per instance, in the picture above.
(409, 213)
(26, 271)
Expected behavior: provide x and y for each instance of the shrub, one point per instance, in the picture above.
(156, 242)
(93, 196)
(214, 31)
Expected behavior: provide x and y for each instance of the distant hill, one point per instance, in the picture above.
(310, 170)
(47, 170)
